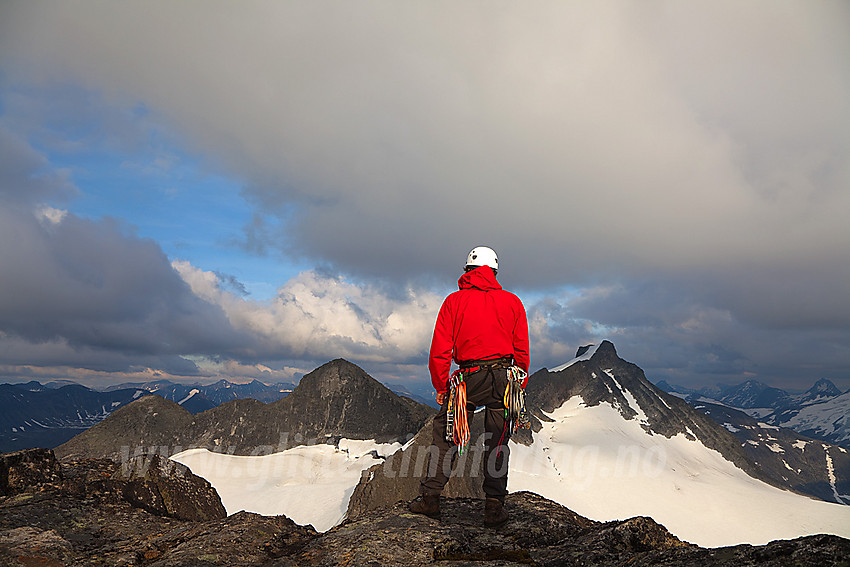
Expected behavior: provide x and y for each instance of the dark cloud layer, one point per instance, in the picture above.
(88, 293)
(683, 165)
(578, 150)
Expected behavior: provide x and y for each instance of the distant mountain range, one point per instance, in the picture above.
(336, 400)
(197, 398)
(33, 415)
(46, 415)
(822, 412)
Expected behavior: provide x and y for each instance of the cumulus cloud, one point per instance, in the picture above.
(315, 314)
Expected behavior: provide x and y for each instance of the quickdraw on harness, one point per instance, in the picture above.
(457, 424)
(515, 414)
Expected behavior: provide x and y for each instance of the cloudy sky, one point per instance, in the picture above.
(205, 190)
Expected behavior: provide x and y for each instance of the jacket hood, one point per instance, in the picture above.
(480, 278)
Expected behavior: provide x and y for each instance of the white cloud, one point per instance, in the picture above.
(50, 215)
(314, 316)
(238, 372)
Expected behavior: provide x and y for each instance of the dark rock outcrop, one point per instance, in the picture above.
(339, 399)
(81, 518)
(397, 478)
(160, 486)
(538, 532)
(167, 488)
(86, 519)
(23, 469)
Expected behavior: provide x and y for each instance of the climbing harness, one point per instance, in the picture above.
(515, 414)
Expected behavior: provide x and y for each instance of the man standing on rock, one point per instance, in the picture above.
(484, 329)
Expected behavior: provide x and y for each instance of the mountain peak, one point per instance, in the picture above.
(601, 376)
(336, 376)
(606, 350)
(602, 351)
(583, 349)
(824, 387)
(753, 394)
(340, 398)
(158, 417)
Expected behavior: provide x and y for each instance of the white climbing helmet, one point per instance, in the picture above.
(482, 256)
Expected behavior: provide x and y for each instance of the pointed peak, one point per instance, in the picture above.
(824, 386)
(606, 348)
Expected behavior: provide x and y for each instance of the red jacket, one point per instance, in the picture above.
(477, 322)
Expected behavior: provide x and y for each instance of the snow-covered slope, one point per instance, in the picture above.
(803, 464)
(602, 466)
(589, 459)
(310, 484)
(821, 412)
(825, 420)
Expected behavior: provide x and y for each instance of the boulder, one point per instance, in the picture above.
(29, 468)
(167, 488)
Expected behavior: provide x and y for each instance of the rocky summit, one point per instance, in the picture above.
(96, 512)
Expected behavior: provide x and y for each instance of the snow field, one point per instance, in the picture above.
(826, 417)
(588, 459)
(606, 468)
(310, 484)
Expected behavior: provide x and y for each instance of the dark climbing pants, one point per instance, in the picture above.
(485, 387)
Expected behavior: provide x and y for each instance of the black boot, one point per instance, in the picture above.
(425, 504)
(494, 513)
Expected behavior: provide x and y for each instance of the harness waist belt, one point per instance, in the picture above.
(505, 361)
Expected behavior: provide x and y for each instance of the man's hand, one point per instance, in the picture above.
(441, 397)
